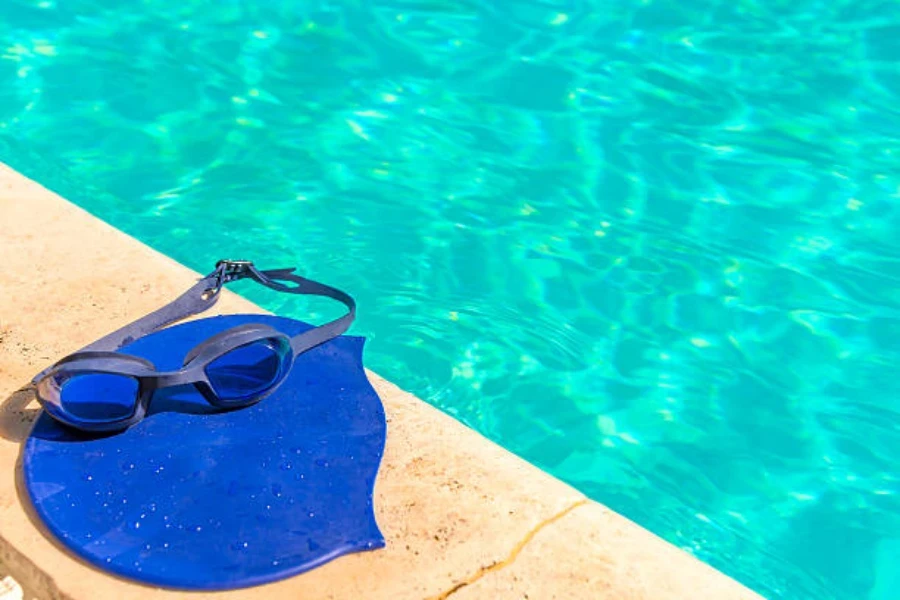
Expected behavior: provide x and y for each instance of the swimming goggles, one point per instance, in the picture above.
(98, 389)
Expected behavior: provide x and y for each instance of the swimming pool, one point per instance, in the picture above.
(651, 247)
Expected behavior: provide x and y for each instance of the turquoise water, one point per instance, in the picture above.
(650, 246)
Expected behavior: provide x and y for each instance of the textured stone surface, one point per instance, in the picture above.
(592, 552)
(454, 507)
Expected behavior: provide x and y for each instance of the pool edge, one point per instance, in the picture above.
(462, 516)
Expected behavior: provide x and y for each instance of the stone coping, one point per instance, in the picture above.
(463, 517)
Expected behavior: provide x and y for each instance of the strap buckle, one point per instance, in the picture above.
(229, 270)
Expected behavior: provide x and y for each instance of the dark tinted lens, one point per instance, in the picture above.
(249, 370)
(98, 397)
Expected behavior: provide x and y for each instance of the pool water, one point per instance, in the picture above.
(649, 246)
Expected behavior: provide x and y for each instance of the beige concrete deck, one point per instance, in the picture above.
(463, 517)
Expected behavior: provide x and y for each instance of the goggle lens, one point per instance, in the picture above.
(94, 397)
(245, 372)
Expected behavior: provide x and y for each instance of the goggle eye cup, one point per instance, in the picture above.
(91, 398)
(245, 373)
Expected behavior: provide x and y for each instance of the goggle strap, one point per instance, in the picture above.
(205, 293)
